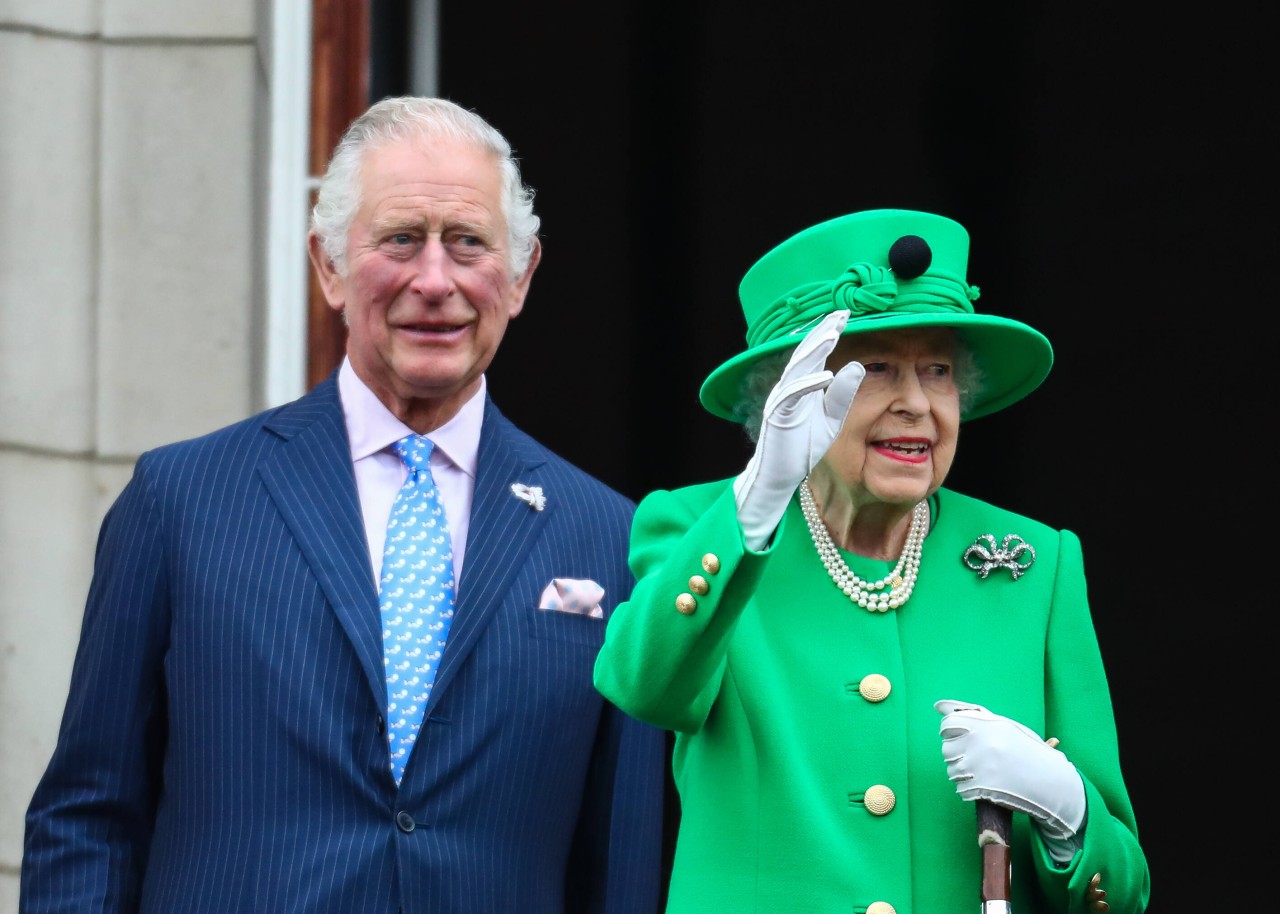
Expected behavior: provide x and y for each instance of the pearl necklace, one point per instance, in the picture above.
(870, 595)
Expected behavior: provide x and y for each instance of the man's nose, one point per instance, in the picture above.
(431, 277)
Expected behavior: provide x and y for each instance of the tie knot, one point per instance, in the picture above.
(414, 450)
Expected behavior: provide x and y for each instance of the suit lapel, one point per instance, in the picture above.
(311, 479)
(503, 530)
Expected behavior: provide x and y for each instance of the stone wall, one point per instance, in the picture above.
(130, 301)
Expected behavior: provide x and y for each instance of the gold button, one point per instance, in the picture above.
(686, 603)
(881, 907)
(711, 563)
(880, 800)
(698, 584)
(874, 687)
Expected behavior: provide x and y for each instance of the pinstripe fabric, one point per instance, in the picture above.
(222, 746)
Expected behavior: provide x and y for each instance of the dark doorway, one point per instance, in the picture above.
(1110, 167)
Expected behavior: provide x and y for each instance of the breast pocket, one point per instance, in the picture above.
(557, 625)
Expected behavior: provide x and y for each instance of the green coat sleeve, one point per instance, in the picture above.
(1079, 703)
(660, 664)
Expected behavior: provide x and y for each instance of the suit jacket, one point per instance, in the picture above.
(223, 747)
(807, 748)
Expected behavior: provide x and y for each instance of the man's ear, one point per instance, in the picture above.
(520, 287)
(331, 282)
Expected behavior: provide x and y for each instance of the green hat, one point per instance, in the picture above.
(891, 268)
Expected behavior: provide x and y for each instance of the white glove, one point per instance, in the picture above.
(990, 757)
(802, 417)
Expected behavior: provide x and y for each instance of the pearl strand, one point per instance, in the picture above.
(870, 595)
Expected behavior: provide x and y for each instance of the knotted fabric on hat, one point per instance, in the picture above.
(863, 289)
(891, 269)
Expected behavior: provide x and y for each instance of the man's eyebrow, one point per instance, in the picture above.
(468, 227)
(392, 224)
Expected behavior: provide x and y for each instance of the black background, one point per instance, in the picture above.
(1112, 163)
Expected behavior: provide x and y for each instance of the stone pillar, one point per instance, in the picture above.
(131, 164)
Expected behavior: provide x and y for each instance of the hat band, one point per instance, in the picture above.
(864, 290)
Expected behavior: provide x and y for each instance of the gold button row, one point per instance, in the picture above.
(687, 603)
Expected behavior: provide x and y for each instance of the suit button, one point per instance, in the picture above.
(382, 726)
(874, 688)
(880, 800)
(686, 604)
(711, 563)
(881, 907)
(698, 584)
(405, 821)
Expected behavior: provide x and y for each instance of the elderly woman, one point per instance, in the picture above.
(802, 627)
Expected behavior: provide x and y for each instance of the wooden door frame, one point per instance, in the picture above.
(339, 93)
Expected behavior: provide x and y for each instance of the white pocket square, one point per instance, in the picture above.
(570, 595)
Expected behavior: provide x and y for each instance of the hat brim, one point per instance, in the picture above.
(1013, 357)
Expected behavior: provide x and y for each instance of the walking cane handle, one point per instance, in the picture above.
(995, 831)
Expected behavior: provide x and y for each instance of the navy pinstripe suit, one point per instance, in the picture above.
(223, 747)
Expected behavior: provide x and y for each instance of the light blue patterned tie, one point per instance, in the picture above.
(415, 595)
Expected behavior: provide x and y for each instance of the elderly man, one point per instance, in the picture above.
(337, 657)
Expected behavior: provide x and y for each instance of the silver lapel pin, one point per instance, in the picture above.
(530, 495)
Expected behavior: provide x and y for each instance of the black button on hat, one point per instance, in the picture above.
(910, 256)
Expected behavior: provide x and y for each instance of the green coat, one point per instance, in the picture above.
(776, 747)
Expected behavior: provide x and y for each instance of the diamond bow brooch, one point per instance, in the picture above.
(984, 556)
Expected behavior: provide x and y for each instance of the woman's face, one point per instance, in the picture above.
(899, 438)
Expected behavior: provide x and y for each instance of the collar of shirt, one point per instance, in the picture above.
(372, 429)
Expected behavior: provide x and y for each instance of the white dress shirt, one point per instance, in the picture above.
(372, 429)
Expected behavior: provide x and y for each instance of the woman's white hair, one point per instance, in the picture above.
(764, 374)
(408, 117)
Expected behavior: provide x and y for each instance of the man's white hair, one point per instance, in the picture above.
(408, 117)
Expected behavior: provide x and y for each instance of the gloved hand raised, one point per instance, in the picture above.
(990, 757)
(802, 416)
